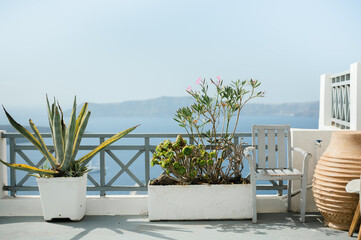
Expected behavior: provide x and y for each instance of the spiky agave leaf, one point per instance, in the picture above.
(28, 168)
(81, 123)
(50, 114)
(63, 126)
(69, 139)
(53, 161)
(28, 136)
(85, 159)
(79, 134)
(58, 137)
(82, 113)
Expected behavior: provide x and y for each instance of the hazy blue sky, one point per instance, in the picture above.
(114, 51)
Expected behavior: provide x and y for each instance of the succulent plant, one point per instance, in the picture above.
(66, 141)
(184, 163)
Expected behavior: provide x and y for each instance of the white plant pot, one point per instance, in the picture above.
(199, 202)
(63, 197)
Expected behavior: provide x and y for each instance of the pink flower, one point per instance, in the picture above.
(189, 88)
(199, 81)
(219, 77)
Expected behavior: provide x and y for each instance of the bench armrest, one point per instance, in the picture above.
(250, 157)
(247, 151)
(306, 158)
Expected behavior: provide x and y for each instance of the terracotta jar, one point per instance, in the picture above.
(339, 164)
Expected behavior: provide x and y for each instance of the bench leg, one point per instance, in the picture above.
(303, 197)
(254, 201)
(289, 189)
(355, 220)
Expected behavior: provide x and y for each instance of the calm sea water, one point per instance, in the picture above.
(168, 125)
(151, 125)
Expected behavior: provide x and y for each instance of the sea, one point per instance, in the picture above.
(148, 125)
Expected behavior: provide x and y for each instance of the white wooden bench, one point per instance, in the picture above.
(270, 158)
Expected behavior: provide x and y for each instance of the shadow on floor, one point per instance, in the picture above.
(139, 226)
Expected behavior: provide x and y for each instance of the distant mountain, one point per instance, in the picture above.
(10, 129)
(163, 106)
(306, 109)
(167, 106)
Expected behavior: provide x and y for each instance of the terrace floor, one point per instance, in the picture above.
(270, 226)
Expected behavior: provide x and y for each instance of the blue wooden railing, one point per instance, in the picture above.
(144, 147)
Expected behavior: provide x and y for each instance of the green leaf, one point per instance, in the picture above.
(28, 168)
(47, 154)
(85, 159)
(69, 139)
(79, 135)
(82, 113)
(50, 114)
(24, 132)
(58, 137)
(63, 126)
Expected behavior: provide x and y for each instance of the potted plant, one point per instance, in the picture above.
(62, 186)
(203, 180)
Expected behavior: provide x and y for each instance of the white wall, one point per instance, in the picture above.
(306, 139)
(355, 96)
(324, 119)
(355, 99)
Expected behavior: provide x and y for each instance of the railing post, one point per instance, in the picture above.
(3, 170)
(355, 96)
(102, 168)
(147, 159)
(325, 101)
(12, 170)
(236, 140)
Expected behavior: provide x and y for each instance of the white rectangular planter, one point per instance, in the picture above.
(197, 202)
(63, 197)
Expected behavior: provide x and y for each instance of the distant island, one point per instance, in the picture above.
(167, 106)
(10, 129)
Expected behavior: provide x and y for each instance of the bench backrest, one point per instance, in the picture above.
(273, 144)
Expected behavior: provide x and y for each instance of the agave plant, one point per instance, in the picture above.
(66, 142)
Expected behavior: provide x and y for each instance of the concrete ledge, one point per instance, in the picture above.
(21, 206)
(117, 205)
(271, 203)
(109, 205)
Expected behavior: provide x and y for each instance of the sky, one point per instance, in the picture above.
(113, 51)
